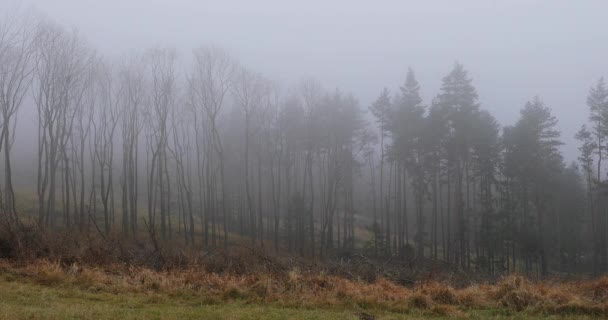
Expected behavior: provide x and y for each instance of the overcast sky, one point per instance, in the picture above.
(514, 50)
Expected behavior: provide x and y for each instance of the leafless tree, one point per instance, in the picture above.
(181, 152)
(163, 86)
(133, 98)
(105, 123)
(17, 65)
(63, 59)
(249, 91)
(210, 81)
(84, 113)
(311, 93)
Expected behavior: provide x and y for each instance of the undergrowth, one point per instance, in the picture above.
(114, 266)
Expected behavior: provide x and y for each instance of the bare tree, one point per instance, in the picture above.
(210, 81)
(105, 124)
(181, 152)
(163, 86)
(133, 98)
(276, 141)
(17, 66)
(84, 113)
(63, 59)
(249, 92)
(311, 95)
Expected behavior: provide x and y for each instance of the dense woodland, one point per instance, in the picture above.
(198, 149)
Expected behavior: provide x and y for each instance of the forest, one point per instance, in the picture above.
(194, 151)
(217, 150)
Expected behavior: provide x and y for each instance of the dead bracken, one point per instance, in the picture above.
(511, 293)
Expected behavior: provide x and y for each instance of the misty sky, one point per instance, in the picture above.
(513, 49)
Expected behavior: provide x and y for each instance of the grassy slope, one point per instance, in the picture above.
(22, 299)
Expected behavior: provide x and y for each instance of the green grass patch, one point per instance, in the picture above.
(22, 299)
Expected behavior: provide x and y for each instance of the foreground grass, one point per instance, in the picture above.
(28, 301)
(42, 289)
(20, 299)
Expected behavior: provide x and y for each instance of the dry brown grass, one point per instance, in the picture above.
(440, 293)
(115, 265)
(318, 290)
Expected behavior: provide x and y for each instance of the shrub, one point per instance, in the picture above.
(420, 301)
(441, 294)
(519, 299)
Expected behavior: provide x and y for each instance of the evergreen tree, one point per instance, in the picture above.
(534, 161)
(459, 99)
(406, 125)
(380, 109)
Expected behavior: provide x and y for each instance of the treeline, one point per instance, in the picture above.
(213, 153)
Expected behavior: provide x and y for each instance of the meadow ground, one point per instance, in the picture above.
(49, 290)
(23, 300)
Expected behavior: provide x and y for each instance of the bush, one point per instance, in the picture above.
(519, 299)
(441, 294)
(420, 301)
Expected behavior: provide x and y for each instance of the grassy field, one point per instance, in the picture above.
(45, 290)
(22, 300)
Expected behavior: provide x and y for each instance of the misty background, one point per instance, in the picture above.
(514, 50)
(271, 121)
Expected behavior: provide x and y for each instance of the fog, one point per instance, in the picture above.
(473, 132)
(514, 50)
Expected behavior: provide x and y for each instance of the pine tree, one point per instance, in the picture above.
(380, 109)
(406, 126)
(459, 99)
(534, 161)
